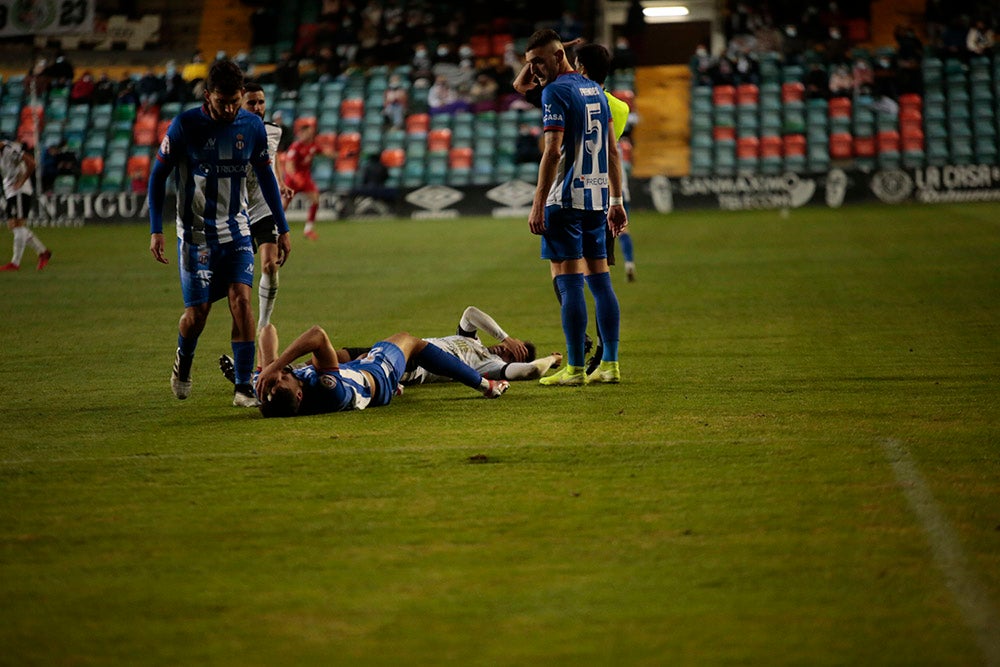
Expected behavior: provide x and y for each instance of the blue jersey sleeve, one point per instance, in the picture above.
(166, 156)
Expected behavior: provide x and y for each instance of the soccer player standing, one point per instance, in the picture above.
(16, 169)
(211, 148)
(263, 229)
(298, 172)
(579, 177)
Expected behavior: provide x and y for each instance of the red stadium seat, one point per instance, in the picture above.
(910, 120)
(912, 142)
(888, 141)
(144, 131)
(910, 101)
(480, 46)
(348, 143)
(771, 146)
(840, 107)
(92, 165)
(723, 133)
(418, 123)
(439, 139)
(841, 146)
(724, 96)
(327, 141)
(499, 43)
(792, 91)
(352, 109)
(302, 121)
(863, 146)
(747, 94)
(747, 147)
(393, 157)
(161, 129)
(137, 167)
(460, 157)
(794, 144)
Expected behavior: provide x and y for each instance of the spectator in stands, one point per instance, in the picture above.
(60, 73)
(196, 70)
(722, 73)
(67, 162)
(909, 47)
(884, 86)
(287, 76)
(442, 98)
(82, 91)
(38, 78)
(150, 89)
(395, 102)
(793, 46)
(979, 40)
(105, 90)
(818, 85)
(126, 92)
(421, 65)
(50, 169)
(953, 39)
(326, 63)
(501, 72)
(483, 93)
(746, 69)
(623, 57)
(835, 48)
(701, 66)
(841, 82)
(175, 89)
(863, 76)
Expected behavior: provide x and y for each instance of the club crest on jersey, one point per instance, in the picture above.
(239, 142)
(328, 381)
(165, 145)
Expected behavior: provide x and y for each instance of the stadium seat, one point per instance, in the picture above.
(747, 95)
(328, 141)
(792, 91)
(460, 158)
(724, 96)
(439, 140)
(144, 131)
(864, 147)
(92, 165)
(393, 157)
(137, 167)
(418, 123)
(64, 184)
(348, 144)
(352, 109)
(841, 146)
(840, 107)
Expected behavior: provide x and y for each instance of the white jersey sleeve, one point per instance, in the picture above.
(12, 168)
(257, 207)
(474, 320)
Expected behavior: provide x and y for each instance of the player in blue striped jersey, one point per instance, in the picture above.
(211, 148)
(577, 197)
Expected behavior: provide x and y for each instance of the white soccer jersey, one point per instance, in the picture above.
(257, 207)
(12, 168)
(469, 350)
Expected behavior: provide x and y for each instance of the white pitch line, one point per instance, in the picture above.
(967, 589)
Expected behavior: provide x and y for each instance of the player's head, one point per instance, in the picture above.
(509, 356)
(254, 100)
(593, 61)
(224, 90)
(285, 398)
(546, 55)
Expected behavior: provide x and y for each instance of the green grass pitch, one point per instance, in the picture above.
(800, 467)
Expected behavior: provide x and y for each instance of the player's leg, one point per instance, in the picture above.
(607, 311)
(267, 290)
(439, 362)
(243, 334)
(310, 231)
(195, 284)
(628, 252)
(562, 246)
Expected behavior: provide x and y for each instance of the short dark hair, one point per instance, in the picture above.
(224, 77)
(542, 38)
(531, 350)
(283, 402)
(596, 59)
(253, 87)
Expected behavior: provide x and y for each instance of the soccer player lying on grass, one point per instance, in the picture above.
(327, 385)
(511, 359)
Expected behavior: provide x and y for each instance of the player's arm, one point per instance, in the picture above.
(313, 341)
(474, 320)
(157, 195)
(617, 217)
(546, 177)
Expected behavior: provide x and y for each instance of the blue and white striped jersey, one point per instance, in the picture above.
(577, 106)
(212, 160)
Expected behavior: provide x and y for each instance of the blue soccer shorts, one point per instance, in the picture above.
(208, 271)
(574, 234)
(386, 364)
